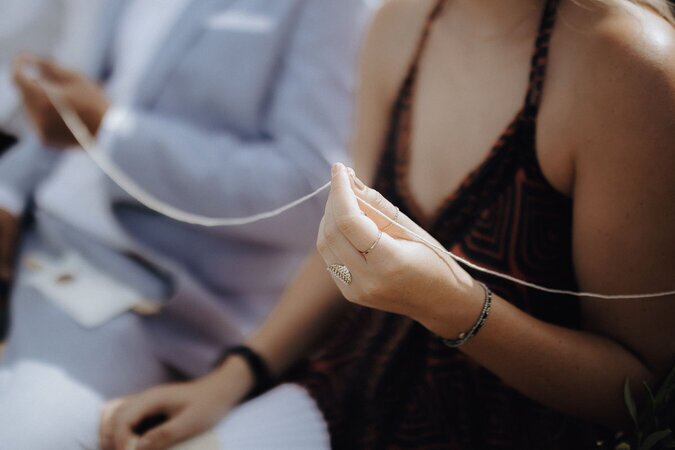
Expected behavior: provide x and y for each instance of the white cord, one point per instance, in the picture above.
(88, 143)
(461, 260)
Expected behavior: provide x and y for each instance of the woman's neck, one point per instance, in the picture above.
(496, 18)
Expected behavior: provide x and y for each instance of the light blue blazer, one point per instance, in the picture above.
(244, 109)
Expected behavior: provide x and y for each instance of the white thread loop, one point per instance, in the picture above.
(88, 143)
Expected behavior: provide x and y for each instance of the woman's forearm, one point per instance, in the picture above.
(308, 308)
(576, 372)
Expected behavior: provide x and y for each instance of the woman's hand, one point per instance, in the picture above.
(83, 95)
(183, 410)
(399, 274)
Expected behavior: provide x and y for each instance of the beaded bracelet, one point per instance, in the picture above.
(464, 337)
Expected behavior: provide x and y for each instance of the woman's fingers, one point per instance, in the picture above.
(375, 200)
(347, 217)
(334, 247)
(383, 212)
(175, 430)
(53, 71)
(323, 246)
(122, 434)
(29, 87)
(351, 236)
(131, 414)
(20, 67)
(106, 425)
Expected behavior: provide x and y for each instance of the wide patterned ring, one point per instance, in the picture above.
(340, 272)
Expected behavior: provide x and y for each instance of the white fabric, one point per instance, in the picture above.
(56, 375)
(75, 190)
(44, 394)
(60, 380)
(286, 418)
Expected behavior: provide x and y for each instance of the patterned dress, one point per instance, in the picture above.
(384, 381)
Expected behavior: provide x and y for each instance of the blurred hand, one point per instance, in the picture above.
(84, 96)
(9, 232)
(166, 415)
(400, 274)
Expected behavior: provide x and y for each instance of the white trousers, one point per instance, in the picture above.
(56, 375)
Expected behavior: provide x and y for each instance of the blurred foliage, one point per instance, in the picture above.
(653, 423)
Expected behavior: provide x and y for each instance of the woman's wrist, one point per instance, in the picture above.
(463, 337)
(449, 318)
(233, 379)
(257, 366)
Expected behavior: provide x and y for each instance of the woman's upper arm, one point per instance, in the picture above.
(624, 201)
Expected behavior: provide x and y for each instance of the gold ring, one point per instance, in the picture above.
(340, 272)
(372, 247)
(391, 224)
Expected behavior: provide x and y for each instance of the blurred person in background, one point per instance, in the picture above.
(533, 138)
(46, 27)
(219, 107)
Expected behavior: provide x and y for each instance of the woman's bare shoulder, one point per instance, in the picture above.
(619, 72)
(623, 36)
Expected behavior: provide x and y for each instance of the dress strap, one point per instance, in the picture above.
(431, 18)
(540, 58)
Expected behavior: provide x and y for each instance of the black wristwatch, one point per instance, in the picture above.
(262, 376)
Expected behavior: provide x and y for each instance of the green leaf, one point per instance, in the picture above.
(664, 394)
(650, 415)
(654, 439)
(630, 404)
(667, 388)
